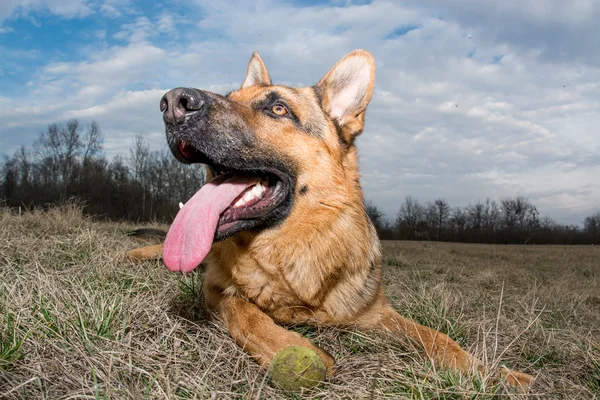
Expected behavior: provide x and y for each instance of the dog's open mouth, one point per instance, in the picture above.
(236, 199)
(255, 201)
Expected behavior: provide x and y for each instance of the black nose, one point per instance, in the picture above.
(178, 103)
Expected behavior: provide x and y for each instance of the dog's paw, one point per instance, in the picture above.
(145, 253)
(520, 380)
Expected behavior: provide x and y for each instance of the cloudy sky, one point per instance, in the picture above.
(473, 99)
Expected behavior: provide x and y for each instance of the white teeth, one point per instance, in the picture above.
(180, 205)
(248, 196)
(240, 203)
(258, 190)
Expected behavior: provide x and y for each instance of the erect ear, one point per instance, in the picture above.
(257, 73)
(346, 90)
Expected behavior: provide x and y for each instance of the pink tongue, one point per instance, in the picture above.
(191, 235)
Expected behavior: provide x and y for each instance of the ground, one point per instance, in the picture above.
(76, 321)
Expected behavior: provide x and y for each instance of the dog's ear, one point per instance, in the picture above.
(346, 90)
(257, 73)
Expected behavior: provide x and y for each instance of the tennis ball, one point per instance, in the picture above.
(297, 367)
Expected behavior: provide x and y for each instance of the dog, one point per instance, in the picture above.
(282, 227)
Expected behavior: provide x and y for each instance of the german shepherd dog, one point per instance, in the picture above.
(282, 227)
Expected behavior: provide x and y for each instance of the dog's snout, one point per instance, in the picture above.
(177, 103)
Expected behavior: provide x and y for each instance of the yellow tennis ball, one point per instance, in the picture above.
(297, 367)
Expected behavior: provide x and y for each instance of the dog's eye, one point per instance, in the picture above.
(279, 110)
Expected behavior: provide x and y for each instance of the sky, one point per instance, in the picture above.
(473, 99)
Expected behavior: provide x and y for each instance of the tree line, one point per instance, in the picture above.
(68, 161)
(511, 220)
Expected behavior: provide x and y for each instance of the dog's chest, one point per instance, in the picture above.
(263, 285)
(283, 287)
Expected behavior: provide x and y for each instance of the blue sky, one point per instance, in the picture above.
(524, 74)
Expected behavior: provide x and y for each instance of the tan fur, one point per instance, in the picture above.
(146, 252)
(321, 265)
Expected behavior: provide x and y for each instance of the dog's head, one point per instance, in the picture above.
(280, 154)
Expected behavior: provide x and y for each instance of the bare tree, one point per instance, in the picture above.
(410, 216)
(459, 223)
(59, 146)
(475, 214)
(442, 212)
(139, 159)
(375, 215)
(592, 226)
(519, 212)
(92, 142)
(491, 219)
(25, 165)
(10, 178)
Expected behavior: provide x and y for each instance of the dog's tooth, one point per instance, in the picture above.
(258, 190)
(240, 203)
(249, 195)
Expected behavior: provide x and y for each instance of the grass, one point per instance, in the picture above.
(78, 321)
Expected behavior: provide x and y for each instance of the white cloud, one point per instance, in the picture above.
(68, 8)
(555, 30)
(100, 34)
(138, 31)
(166, 23)
(62, 8)
(116, 8)
(115, 68)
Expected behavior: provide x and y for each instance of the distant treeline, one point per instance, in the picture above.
(509, 221)
(67, 161)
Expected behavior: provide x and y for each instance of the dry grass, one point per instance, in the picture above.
(77, 322)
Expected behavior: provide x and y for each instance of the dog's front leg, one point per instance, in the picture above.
(256, 332)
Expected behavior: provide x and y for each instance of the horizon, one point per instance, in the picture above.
(471, 101)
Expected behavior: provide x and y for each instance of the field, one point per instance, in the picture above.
(78, 321)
